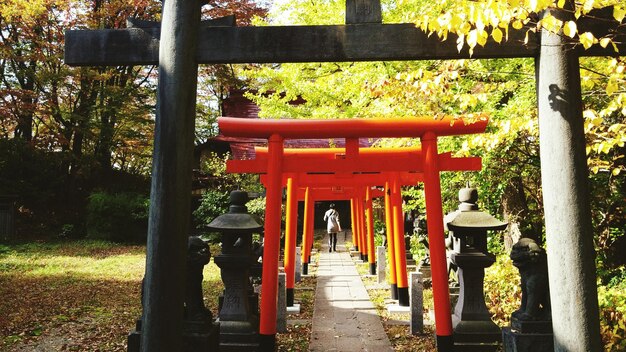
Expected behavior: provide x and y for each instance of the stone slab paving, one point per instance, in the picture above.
(344, 318)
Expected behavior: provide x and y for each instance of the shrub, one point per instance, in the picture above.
(612, 301)
(213, 204)
(118, 217)
(503, 293)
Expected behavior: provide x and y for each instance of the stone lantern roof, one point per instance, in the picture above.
(237, 220)
(468, 217)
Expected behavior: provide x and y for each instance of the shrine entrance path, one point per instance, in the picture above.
(344, 318)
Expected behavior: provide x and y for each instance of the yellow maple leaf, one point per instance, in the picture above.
(472, 38)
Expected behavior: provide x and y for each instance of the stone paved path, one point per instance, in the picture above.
(344, 318)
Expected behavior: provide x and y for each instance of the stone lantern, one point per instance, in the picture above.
(238, 315)
(473, 328)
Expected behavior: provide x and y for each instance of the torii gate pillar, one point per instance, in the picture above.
(432, 190)
(171, 178)
(564, 179)
(291, 230)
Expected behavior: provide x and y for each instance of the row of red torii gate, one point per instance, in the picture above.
(356, 174)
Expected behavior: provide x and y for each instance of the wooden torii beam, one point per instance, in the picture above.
(331, 43)
(427, 129)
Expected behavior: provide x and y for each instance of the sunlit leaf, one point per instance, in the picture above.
(472, 38)
(569, 29)
(619, 13)
(551, 23)
(587, 39)
(482, 37)
(604, 42)
(496, 33)
(460, 41)
(611, 87)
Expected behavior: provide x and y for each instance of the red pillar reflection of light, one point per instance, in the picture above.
(362, 231)
(390, 242)
(399, 248)
(291, 229)
(353, 220)
(306, 229)
(369, 215)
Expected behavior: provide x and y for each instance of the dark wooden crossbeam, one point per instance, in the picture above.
(359, 42)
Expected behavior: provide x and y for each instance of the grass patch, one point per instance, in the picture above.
(76, 296)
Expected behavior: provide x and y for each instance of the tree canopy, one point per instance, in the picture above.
(92, 125)
(509, 183)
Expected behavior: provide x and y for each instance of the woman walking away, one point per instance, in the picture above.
(332, 218)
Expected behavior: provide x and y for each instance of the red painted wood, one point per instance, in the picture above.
(436, 240)
(271, 239)
(291, 235)
(351, 128)
(390, 235)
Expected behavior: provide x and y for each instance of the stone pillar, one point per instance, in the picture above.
(417, 303)
(382, 264)
(298, 273)
(281, 312)
(564, 178)
(171, 178)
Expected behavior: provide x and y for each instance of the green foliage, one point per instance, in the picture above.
(380, 231)
(256, 207)
(118, 217)
(213, 204)
(503, 294)
(215, 200)
(612, 302)
(418, 248)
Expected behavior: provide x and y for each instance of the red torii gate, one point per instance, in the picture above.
(311, 187)
(325, 193)
(405, 163)
(276, 131)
